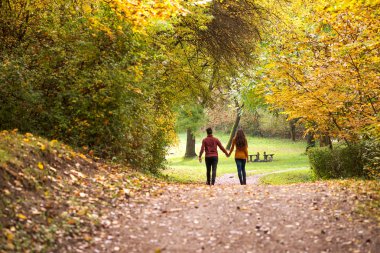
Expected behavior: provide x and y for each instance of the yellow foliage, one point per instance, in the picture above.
(142, 13)
(324, 66)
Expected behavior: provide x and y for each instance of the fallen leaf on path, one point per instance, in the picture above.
(40, 166)
(21, 216)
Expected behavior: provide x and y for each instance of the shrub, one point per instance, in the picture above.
(340, 162)
(371, 158)
(88, 86)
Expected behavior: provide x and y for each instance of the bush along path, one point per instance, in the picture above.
(54, 199)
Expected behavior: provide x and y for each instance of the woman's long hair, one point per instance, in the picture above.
(240, 139)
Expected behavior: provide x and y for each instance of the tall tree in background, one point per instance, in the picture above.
(190, 118)
(230, 39)
(235, 95)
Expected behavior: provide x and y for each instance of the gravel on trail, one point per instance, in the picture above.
(311, 217)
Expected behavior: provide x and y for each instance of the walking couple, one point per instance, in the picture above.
(209, 146)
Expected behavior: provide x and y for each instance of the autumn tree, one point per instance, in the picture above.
(322, 66)
(91, 74)
(190, 119)
(226, 39)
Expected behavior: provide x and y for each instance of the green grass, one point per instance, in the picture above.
(287, 155)
(289, 177)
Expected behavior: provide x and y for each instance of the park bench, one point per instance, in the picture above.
(267, 157)
(257, 157)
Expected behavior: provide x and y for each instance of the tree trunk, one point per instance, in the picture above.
(234, 127)
(292, 124)
(310, 141)
(190, 144)
(293, 132)
(324, 141)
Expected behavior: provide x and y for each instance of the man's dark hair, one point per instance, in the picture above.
(209, 131)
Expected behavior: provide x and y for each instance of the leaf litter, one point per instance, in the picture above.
(77, 203)
(58, 200)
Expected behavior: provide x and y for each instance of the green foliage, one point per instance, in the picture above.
(254, 99)
(86, 78)
(106, 75)
(371, 158)
(340, 162)
(190, 117)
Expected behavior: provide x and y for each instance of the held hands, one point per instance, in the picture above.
(200, 159)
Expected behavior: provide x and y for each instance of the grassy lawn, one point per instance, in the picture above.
(289, 177)
(287, 155)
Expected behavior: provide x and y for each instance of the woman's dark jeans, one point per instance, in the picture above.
(211, 162)
(240, 164)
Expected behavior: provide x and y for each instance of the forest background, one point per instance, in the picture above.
(115, 78)
(94, 93)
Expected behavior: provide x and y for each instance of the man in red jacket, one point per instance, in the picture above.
(210, 144)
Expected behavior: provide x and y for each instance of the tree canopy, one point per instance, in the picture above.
(321, 65)
(110, 75)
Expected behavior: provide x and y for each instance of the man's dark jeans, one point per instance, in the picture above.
(240, 164)
(211, 162)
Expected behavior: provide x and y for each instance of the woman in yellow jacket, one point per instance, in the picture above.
(241, 154)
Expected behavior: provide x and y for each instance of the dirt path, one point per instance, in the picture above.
(232, 218)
